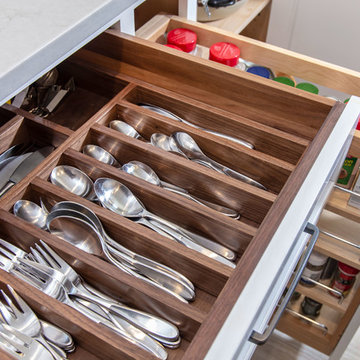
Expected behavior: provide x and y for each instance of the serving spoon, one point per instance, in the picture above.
(192, 150)
(118, 198)
(98, 153)
(125, 128)
(30, 212)
(145, 172)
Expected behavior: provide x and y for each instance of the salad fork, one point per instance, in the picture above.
(21, 346)
(26, 321)
(150, 324)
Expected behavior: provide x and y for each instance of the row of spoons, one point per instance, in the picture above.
(80, 226)
(183, 144)
(118, 198)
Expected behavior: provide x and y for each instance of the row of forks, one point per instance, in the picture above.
(47, 271)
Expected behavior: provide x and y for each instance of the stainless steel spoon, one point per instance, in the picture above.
(100, 154)
(75, 228)
(30, 212)
(57, 336)
(145, 172)
(192, 150)
(125, 128)
(133, 259)
(74, 180)
(118, 198)
(166, 143)
(169, 114)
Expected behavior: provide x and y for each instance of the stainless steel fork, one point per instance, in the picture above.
(151, 324)
(21, 346)
(56, 285)
(26, 321)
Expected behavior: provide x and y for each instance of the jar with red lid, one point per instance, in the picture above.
(184, 39)
(226, 53)
(344, 279)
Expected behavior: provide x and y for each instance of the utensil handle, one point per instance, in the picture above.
(55, 351)
(180, 191)
(6, 188)
(261, 339)
(228, 137)
(188, 242)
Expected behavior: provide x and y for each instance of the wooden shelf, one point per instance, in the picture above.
(242, 17)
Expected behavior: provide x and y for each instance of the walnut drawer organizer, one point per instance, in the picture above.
(289, 128)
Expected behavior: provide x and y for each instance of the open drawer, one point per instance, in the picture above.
(299, 142)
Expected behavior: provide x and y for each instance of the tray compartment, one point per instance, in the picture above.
(92, 91)
(5, 115)
(265, 139)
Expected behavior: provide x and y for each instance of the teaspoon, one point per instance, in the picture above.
(192, 150)
(30, 212)
(100, 154)
(146, 173)
(74, 180)
(125, 128)
(118, 198)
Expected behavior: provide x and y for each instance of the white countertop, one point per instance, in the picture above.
(36, 35)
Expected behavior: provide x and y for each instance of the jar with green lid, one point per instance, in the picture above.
(313, 268)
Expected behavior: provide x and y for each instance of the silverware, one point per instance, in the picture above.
(169, 114)
(100, 154)
(22, 318)
(10, 152)
(25, 167)
(192, 150)
(21, 346)
(30, 212)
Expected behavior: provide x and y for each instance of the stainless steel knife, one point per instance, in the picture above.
(25, 167)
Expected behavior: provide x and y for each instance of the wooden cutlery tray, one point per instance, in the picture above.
(112, 75)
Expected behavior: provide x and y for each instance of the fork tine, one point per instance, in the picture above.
(10, 332)
(23, 306)
(61, 262)
(8, 254)
(27, 277)
(40, 270)
(11, 247)
(10, 347)
(13, 308)
(5, 263)
(5, 313)
(52, 261)
(38, 257)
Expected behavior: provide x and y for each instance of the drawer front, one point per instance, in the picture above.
(258, 301)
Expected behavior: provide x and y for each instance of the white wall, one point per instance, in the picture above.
(324, 29)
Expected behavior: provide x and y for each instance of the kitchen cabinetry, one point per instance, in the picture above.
(300, 141)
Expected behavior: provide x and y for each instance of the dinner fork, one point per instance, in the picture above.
(55, 284)
(26, 321)
(151, 324)
(21, 346)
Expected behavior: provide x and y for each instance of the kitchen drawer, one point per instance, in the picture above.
(300, 141)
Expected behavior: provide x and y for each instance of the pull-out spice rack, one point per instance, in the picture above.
(289, 129)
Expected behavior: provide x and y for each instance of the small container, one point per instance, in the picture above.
(261, 71)
(314, 268)
(308, 87)
(310, 307)
(183, 38)
(284, 80)
(227, 54)
(344, 279)
(173, 47)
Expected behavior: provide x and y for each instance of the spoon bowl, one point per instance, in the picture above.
(30, 212)
(142, 171)
(125, 128)
(72, 179)
(100, 154)
(166, 143)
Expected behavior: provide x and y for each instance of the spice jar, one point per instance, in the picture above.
(227, 54)
(310, 307)
(184, 39)
(344, 279)
(314, 268)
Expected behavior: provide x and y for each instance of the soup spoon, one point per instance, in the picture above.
(125, 128)
(100, 154)
(30, 212)
(135, 258)
(74, 228)
(118, 198)
(145, 172)
(192, 150)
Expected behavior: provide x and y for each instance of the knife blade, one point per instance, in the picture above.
(25, 167)
(10, 152)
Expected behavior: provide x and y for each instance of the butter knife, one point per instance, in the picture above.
(25, 167)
